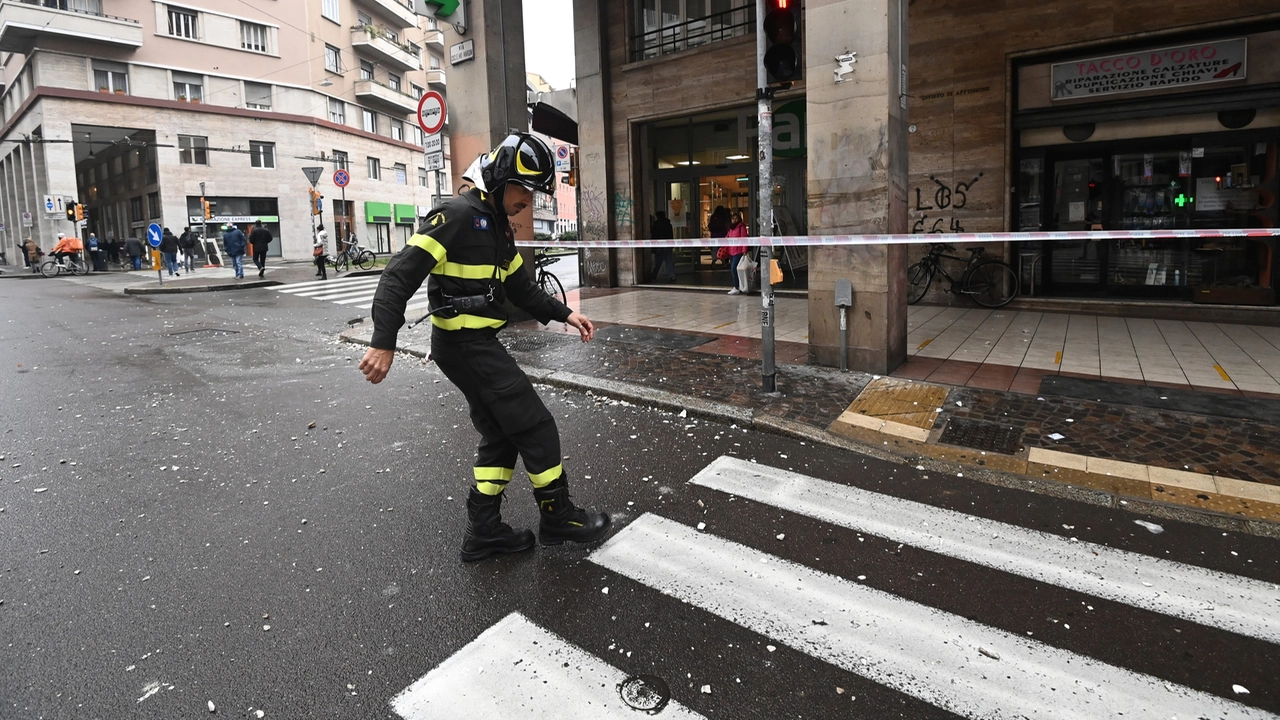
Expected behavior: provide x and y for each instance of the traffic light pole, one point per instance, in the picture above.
(764, 101)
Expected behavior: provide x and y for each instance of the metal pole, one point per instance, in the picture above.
(764, 101)
(346, 232)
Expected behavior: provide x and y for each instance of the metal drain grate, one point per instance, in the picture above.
(531, 342)
(981, 435)
(198, 331)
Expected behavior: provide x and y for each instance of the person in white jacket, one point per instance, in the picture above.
(320, 250)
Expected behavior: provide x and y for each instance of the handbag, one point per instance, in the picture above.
(317, 251)
(722, 253)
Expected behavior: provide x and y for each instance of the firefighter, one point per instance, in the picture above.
(465, 251)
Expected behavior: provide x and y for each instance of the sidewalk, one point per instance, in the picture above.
(1166, 449)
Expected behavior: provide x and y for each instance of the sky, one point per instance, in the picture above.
(548, 40)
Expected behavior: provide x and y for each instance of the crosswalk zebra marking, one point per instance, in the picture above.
(916, 649)
(518, 669)
(1206, 597)
(353, 292)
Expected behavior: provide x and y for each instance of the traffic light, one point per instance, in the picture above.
(79, 212)
(782, 58)
(71, 211)
(207, 208)
(573, 167)
(317, 201)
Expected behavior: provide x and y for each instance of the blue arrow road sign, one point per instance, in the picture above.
(48, 204)
(153, 235)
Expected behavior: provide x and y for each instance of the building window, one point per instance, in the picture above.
(366, 70)
(417, 135)
(375, 169)
(253, 36)
(668, 26)
(416, 91)
(110, 77)
(329, 9)
(393, 81)
(402, 174)
(153, 203)
(337, 111)
(363, 19)
(433, 62)
(262, 154)
(340, 160)
(422, 177)
(183, 24)
(332, 59)
(188, 87)
(432, 24)
(370, 123)
(193, 150)
(257, 96)
(135, 210)
(397, 130)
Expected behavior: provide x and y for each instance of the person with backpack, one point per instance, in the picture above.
(234, 242)
(260, 238)
(187, 244)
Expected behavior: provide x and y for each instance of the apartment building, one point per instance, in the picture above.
(139, 109)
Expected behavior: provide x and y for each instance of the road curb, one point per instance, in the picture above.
(895, 442)
(200, 288)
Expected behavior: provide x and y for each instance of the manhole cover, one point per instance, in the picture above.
(981, 435)
(645, 692)
(532, 342)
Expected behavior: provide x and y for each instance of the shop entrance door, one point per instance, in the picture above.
(1079, 190)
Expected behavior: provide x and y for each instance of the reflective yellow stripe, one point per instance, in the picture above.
(546, 477)
(492, 473)
(470, 322)
(429, 244)
(515, 265)
(466, 272)
(490, 488)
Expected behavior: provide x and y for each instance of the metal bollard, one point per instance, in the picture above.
(844, 301)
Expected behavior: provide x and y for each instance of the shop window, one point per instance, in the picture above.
(669, 26)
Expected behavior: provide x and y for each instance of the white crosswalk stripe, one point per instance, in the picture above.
(356, 292)
(954, 663)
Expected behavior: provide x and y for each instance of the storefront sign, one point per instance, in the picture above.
(788, 130)
(217, 219)
(1158, 69)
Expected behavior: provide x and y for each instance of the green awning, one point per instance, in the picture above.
(406, 215)
(377, 212)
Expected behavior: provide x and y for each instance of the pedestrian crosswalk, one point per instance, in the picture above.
(354, 292)
(954, 662)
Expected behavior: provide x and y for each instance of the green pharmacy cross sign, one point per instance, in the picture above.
(1182, 200)
(444, 8)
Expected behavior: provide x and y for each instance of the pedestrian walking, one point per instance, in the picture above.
(737, 229)
(234, 242)
(113, 249)
(187, 244)
(465, 251)
(95, 253)
(663, 257)
(318, 249)
(134, 249)
(260, 238)
(169, 252)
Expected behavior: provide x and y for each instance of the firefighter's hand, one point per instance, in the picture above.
(376, 363)
(583, 323)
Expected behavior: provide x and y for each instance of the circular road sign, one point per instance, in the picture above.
(562, 152)
(341, 178)
(431, 112)
(154, 234)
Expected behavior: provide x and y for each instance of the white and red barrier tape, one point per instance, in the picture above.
(920, 239)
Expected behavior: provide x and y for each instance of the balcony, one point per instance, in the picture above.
(435, 78)
(434, 37)
(23, 24)
(372, 92)
(373, 41)
(396, 9)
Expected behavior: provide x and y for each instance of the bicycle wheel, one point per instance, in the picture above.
(49, 268)
(340, 263)
(77, 267)
(919, 277)
(550, 285)
(365, 259)
(991, 284)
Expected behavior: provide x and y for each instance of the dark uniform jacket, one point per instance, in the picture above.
(461, 250)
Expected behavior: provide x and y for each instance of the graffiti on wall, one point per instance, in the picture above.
(942, 200)
(622, 205)
(594, 214)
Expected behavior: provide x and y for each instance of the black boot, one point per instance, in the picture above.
(486, 533)
(562, 520)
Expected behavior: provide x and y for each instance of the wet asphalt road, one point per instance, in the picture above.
(204, 502)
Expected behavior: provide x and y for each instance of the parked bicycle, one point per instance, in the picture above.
(353, 254)
(73, 265)
(990, 282)
(546, 279)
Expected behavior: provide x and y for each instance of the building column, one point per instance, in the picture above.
(857, 178)
(594, 222)
(486, 96)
